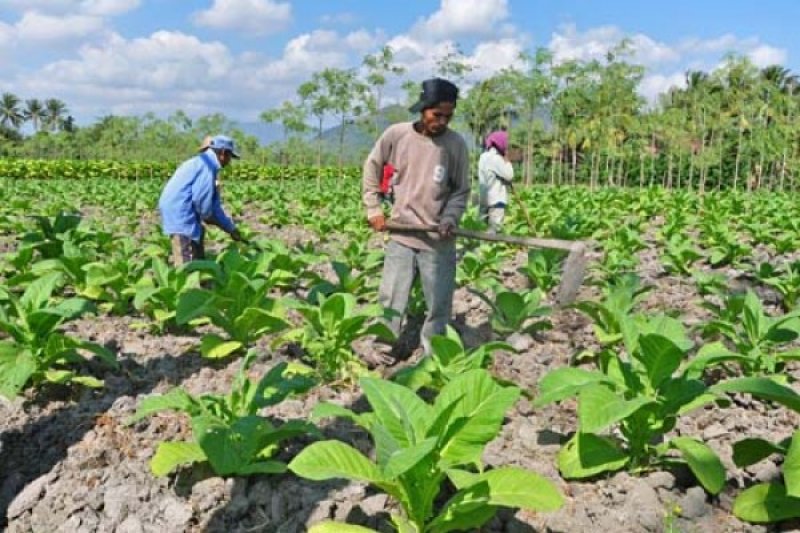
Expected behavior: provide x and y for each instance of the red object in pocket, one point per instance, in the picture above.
(386, 181)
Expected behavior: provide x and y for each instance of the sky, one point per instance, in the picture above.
(241, 57)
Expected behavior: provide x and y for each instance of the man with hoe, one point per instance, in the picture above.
(430, 187)
(191, 197)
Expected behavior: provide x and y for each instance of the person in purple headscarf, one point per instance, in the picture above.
(495, 173)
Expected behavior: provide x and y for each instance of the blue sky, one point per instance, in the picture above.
(240, 57)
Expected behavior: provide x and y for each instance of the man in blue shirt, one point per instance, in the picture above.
(191, 197)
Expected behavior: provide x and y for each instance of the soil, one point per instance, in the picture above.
(69, 462)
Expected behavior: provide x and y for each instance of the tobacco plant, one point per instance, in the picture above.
(543, 269)
(329, 329)
(776, 500)
(760, 344)
(785, 281)
(35, 350)
(448, 359)
(422, 448)
(228, 432)
(514, 312)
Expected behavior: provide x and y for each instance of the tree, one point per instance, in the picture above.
(334, 91)
(454, 66)
(54, 113)
(10, 113)
(314, 97)
(292, 118)
(379, 67)
(34, 112)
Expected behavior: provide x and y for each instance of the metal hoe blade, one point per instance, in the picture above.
(574, 267)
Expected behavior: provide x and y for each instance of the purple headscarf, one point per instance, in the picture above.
(498, 139)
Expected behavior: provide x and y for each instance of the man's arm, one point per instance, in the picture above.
(206, 202)
(457, 202)
(371, 181)
(501, 167)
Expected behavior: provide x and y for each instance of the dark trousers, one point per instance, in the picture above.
(185, 250)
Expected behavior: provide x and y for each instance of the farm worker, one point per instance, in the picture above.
(495, 173)
(430, 186)
(191, 197)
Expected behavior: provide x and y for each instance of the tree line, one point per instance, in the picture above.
(576, 122)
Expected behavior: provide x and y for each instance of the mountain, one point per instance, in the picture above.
(358, 135)
(265, 133)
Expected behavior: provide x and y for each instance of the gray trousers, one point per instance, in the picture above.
(437, 271)
(494, 216)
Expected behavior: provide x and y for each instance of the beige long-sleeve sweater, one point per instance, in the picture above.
(432, 181)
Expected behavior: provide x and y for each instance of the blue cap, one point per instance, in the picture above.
(223, 142)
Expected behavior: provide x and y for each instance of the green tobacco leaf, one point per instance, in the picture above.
(748, 452)
(254, 322)
(333, 459)
(703, 462)
(88, 381)
(283, 380)
(660, 356)
(709, 355)
(516, 487)
(58, 376)
(171, 455)
(262, 467)
(466, 510)
(192, 304)
(338, 527)
(565, 382)
(761, 387)
(231, 449)
(101, 352)
(766, 503)
(586, 455)
(405, 459)
(599, 408)
(215, 347)
(39, 291)
(791, 467)
(404, 414)
(16, 368)
(175, 400)
(482, 407)
(331, 410)
(417, 376)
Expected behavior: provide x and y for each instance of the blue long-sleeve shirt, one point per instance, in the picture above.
(190, 196)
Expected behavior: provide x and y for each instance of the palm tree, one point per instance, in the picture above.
(34, 112)
(10, 113)
(54, 114)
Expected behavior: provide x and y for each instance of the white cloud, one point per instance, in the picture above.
(167, 70)
(311, 52)
(655, 84)
(491, 56)
(457, 18)
(568, 43)
(765, 55)
(34, 26)
(251, 16)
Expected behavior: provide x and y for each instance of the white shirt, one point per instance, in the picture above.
(492, 165)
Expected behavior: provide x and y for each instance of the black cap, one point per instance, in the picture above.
(435, 90)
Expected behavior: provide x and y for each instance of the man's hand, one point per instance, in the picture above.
(236, 236)
(378, 223)
(446, 230)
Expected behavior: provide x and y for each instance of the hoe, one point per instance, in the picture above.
(573, 270)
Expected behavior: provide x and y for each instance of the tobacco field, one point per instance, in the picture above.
(231, 394)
